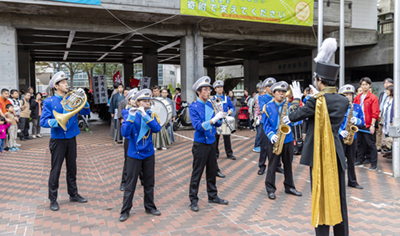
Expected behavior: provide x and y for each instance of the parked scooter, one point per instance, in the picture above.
(182, 116)
(83, 123)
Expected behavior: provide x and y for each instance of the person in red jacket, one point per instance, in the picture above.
(178, 99)
(367, 138)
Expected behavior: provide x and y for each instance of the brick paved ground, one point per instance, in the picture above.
(24, 208)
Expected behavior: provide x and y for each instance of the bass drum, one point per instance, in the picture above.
(163, 109)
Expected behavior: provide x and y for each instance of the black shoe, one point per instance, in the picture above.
(366, 162)
(29, 138)
(219, 174)
(293, 191)
(77, 198)
(271, 196)
(122, 187)
(358, 163)
(22, 139)
(194, 207)
(373, 167)
(279, 170)
(154, 212)
(261, 171)
(123, 217)
(232, 157)
(357, 186)
(218, 201)
(6, 149)
(54, 205)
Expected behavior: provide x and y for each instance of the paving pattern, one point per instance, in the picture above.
(24, 207)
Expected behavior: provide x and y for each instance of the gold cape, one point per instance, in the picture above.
(325, 209)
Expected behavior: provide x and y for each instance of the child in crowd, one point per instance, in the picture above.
(12, 131)
(3, 128)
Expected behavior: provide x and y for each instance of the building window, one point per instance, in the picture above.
(172, 72)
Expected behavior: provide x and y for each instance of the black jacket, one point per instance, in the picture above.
(35, 108)
(337, 108)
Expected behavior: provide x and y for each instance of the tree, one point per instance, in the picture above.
(178, 85)
(220, 74)
(111, 68)
(73, 68)
(171, 88)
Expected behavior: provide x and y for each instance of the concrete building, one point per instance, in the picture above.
(155, 32)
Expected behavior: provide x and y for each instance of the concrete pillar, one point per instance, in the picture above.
(190, 56)
(251, 74)
(128, 73)
(150, 65)
(8, 57)
(32, 74)
(211, 73)
(24, 78)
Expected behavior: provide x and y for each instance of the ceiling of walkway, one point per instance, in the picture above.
(75, 46)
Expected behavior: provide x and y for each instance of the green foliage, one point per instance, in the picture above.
(171, 88)
(178, 85)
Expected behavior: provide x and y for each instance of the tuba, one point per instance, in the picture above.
(350, 128)
(73, 101)
(283, 128)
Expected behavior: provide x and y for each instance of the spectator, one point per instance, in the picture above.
(24, 117)
(305, 94)
(36, 112)
(13, 129)
(170, 129)
(4, 100)
(178, 99)
(14, 95)
(3, 132)
(245, 97)
(388, 111)
(231, 95)
(113, 110)
(370, 106)
(383, 96)
(30, 91)
(359, 90)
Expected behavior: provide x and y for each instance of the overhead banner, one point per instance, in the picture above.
(288, 12)
(90, 2)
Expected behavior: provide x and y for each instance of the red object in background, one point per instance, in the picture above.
(134, 83)
(117, 78)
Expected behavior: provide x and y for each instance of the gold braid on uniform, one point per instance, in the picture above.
(325, 209)
(156, 116)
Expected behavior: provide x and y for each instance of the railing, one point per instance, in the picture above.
(386, 27)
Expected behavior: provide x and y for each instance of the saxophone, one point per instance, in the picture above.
(283, 130)
(352, 129)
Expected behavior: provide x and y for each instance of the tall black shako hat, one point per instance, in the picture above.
(324, 69)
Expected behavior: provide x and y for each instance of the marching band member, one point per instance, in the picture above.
(124, 106)
(229, 109)
(273, 113)
(138, 126)
(323, 150)
(204, 120)
(62, 143)
(351, 150)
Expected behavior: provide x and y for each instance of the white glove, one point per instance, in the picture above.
(296, 91)
(217, 117)
(257, 121)
(80, 91)
(314, 90)
(142, 111)
(286, 120)
(354, 120)
(274, 138)
(344, 134)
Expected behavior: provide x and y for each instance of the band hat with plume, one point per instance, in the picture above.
(57, 78)
(202, 82)
(131, 93)
(324, 69)
(347, 88)
(259, 84)
(218, 83)
(281, 85)
(268, 82)
(142, 94)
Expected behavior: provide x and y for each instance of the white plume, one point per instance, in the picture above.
(328, 47)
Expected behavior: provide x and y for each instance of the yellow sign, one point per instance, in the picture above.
(288, 12)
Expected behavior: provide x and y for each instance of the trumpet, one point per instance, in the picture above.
(218, 108)
(73, 101)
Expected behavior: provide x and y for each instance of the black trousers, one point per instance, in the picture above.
(60, 149)
(203, 156)
(367, 143)
(264, 148)
(350, 153)
(24, 127)
(124, 171)
(274, 160)
(227, 143)
(133, 168)
(341, 229)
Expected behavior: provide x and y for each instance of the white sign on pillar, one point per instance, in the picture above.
(99, 85)
(145, 83)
